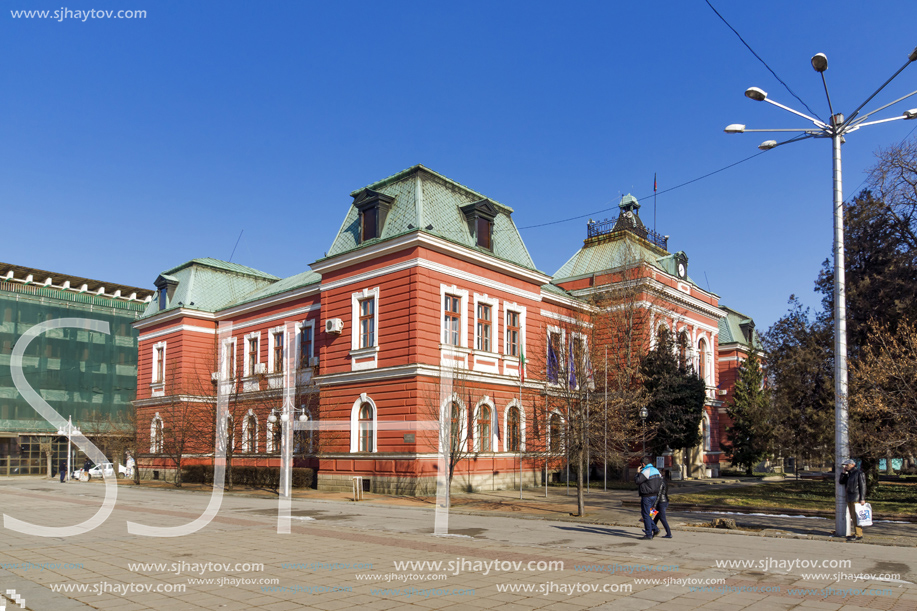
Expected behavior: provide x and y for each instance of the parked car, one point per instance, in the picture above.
(99, 470)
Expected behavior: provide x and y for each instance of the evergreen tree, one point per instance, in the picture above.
(752, 431)
(676, 404)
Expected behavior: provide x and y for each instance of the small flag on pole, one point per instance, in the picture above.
(522, 368)
(654, 182)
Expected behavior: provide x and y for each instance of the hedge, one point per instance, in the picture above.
(258, 477)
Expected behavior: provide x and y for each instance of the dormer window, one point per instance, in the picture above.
(480, 216)
(166, 286)
(373, 207)
(484, 233)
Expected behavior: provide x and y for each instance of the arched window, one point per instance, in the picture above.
(702, 360)
(366, 428)
(250, 433)
(513, 430)
(484, 429)
(274, 433)
(708, 442)
(156, 435)
(363, 433)
(555, 433)
(230, 433)
(302, 440)
(682, 349)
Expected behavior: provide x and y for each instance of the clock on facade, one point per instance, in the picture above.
(681, 270)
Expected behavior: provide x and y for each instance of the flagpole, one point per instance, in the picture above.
(605, 466)
(654, 202)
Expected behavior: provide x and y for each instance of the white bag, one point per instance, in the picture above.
(864, 515)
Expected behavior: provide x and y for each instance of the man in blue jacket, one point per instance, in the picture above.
(649, 481)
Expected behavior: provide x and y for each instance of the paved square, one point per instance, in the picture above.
(345, 555)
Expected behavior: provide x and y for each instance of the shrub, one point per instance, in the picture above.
(256, 477)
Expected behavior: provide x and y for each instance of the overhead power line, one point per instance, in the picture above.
(787, 87)
(678, 186)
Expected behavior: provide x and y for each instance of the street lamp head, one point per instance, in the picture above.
(644, 413)
(767, 145)
(735, 128)
(303, 417)
(910, 114)
(820, 62)
(285, 417)
(755, 93)
(272, 418)
(913, 56)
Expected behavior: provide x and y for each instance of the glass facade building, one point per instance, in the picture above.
(88, 376)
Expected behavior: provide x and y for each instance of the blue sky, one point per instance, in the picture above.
(130, 146)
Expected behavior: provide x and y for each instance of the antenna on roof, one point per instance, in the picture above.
(708, 281)
(234, 247)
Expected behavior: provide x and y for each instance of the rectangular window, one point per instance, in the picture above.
(163, 296)
(452, 319)
(483, 229)
(305, 346)
(252, 355)
(278, 352)
(230, 348)
(159, 353)
(368, 219)
(555, 354)
(484, 327)
(367, 322)
(512, 333)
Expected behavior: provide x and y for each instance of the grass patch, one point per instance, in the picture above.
(887, 499)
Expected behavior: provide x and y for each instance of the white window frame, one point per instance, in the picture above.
(510, 405)
(156, 436)
(445, 414)
(312, 361)
(368, 357)
(708, 359)
(273, 334)
(249, 416)
(355, 424)
(462, 294)
(158, 370)
(229, 346)
(476, 440)
(269, 432)
(520, 310)
(562, 360)
(247, 351)
(494, 304)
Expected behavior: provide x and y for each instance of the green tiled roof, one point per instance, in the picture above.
(435, 209)
(616, 251)
(210, 285)
(731, 329)
(282, 286)
(225, 266)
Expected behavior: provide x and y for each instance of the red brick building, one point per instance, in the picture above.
(427, 303)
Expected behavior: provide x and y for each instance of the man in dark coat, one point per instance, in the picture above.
(650, 481)
(854, 480)
(62, 467)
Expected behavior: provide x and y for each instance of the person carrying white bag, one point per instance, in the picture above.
(854, 481)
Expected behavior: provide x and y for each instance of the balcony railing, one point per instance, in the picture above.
(600, 228)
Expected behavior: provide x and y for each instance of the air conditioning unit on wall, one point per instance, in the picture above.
(334, 325)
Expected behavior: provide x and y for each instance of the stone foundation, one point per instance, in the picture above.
(426, 485)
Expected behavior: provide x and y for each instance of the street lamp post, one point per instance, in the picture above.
(836, 129)
(69, 433)
(643, 415)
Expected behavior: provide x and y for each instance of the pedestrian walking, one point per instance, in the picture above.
(854, 481)
(662, 502)
(62, 467)
(649, 481)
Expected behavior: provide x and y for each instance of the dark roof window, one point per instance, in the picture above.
(480, 216)
(374, 208)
